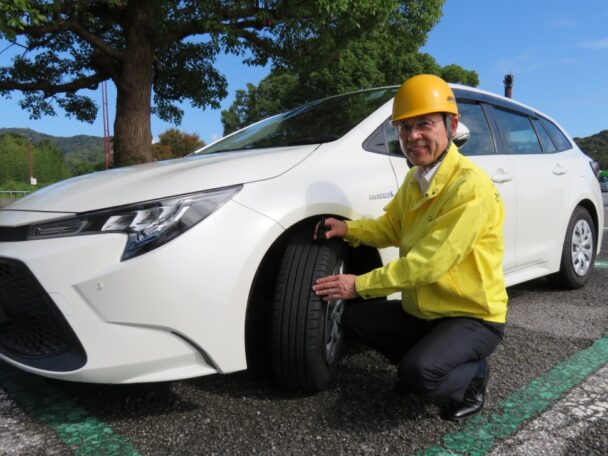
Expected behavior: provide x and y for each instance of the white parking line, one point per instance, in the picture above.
(554, 431)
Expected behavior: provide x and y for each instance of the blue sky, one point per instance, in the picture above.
(557, 51)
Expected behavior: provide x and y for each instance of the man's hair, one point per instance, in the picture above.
(448, 126)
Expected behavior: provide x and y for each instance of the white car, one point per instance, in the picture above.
(195, 266)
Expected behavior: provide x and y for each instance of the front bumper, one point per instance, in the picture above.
(176, 312)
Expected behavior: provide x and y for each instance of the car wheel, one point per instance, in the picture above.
(578, 253)
(306, 330)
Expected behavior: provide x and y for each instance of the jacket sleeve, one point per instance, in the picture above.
(381, 232)
(451, 237)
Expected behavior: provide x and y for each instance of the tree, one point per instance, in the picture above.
(174, 144)
(276, 93)
(596, 146)
(361, 65)
(159, 53)
(48, 163)
(47, 160)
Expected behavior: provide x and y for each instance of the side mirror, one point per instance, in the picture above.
(462, 134)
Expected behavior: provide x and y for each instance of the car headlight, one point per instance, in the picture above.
(148, 225)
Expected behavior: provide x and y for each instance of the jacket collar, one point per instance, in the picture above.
(441, 177)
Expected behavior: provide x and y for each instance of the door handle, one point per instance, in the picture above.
(558, 170)
(502, 177)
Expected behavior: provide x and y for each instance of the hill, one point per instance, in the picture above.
(79, 150)
(596, 146)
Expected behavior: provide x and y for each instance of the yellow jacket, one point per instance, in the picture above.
(450, 244)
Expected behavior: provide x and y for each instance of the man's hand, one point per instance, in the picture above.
(335, 287)
(336, 228)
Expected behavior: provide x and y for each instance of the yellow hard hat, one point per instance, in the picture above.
(423, 94)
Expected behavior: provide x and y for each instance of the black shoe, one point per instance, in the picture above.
(473, 401)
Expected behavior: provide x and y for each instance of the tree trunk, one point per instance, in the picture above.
(132, 131)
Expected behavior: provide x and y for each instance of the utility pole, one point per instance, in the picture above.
(107, 149)
(31, 179)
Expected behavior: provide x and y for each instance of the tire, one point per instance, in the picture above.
(578, 253)
(306, 334)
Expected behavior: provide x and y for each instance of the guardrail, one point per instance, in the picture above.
(13, 193)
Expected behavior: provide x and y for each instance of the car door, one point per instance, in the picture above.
(543, 176)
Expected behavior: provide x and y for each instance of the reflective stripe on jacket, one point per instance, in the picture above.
(450, 245)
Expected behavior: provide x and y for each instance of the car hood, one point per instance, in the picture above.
(162, 179)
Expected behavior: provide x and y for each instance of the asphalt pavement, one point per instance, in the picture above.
(547, 396)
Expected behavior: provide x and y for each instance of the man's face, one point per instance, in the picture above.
(424, 138)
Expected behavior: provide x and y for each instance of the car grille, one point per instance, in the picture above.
(32, 329)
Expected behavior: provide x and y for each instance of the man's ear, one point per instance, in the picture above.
(454, 122)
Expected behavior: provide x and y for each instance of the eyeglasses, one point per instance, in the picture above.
(409, 128)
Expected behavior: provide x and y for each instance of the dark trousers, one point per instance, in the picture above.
(436, 358)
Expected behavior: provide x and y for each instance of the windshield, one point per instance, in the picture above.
(316, 122)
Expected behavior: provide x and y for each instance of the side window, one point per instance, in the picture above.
(384, 139)
(376, 141)
(518, 134)
(545, 139)
(480, 141)
(392, 138)
(559, 139)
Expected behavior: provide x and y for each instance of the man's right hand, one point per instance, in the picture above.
(336, 228)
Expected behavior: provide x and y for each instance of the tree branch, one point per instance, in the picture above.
(241, 19)
(87, 82)
(74, 27)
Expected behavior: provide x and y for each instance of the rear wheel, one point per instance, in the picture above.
(578, 253)
(306, 330)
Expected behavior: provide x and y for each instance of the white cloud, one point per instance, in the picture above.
(595, 44)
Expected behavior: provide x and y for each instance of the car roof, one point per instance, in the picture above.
(464, 92)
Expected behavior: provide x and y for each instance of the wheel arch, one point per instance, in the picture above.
(259, 304)
(587, 204)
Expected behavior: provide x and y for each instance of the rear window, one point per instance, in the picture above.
(545, 140)
(519, 137)
(558, 138)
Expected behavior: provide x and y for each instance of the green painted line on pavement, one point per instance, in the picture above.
(601, 264)
(481, 433)
(81, 432)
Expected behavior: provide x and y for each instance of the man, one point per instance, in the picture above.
(447, 220)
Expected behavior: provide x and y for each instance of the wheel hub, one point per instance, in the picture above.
(333, 322)
(582, 247)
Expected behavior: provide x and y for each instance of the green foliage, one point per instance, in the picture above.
(596, 146)
(276, 93)
(19, 186)
(385, 54)
(17, 14)
(455, 73)
(47, 161)
(82, 153)
(174, 144)
(284, 89)
(165, 51)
